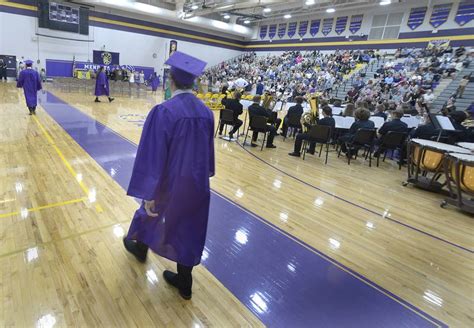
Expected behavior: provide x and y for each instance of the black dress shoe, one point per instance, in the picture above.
(271, 146)
(132, 247)
(111, 99)
(294, 154)
(172, 279)
(97, 100)
(253, 145)
(310, 152)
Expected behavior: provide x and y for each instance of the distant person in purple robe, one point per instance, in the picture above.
(102, 85)
(174, 162)
(30, 81)
(154, 82)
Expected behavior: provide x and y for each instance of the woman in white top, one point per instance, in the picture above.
(141, 77)
(132, 77)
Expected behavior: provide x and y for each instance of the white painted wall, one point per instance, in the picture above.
(368, 15)
(18, 37)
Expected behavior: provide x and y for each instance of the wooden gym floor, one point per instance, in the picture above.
(62, 217)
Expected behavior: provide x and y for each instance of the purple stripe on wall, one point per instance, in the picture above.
(297, 286)
(17, 11)
(152, 33)
(428, 34)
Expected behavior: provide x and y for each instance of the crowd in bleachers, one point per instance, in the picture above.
(402, 84)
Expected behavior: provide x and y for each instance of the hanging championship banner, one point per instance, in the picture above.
(173, 47)
(106, 58)
(272, 31)
(314, 27)
(465, 12)
(327, 26)
(416, 18)
(263, 31)
(440, 44)
(291, 29)
(341, 23)
(281, 30)
(440, 14)
(303, 28)
(356, 23)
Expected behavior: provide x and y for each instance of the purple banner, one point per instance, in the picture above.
(416, 18)
(263, 31)
(465, 12)
(303, 28)
(291, 29)
(327, 26)
(440, 14)
(314, 27)
(341, 23)
(272, 29)
(63, 68)
(356, 23)
(281, 30)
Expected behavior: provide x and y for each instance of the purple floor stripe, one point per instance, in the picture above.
(282, 280)
(354, 204)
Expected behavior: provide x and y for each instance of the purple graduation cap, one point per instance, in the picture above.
(28, 62)
(185, 68)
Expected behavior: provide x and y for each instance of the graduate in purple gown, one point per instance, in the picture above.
(174, 162)
(30, 81)
(102, 85)
(155, 82)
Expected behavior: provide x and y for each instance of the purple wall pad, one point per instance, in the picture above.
(283, 281)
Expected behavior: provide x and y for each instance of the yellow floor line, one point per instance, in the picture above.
(65, 161)
(39, 208)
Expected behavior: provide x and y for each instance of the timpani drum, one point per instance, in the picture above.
(425, 162)
(459, 170)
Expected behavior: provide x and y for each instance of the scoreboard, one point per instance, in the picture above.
(65, 17)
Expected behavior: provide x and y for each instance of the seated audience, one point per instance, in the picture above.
(235, 106)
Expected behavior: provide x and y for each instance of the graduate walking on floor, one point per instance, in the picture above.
(154, 82)
(30, 81)
(174, 162)
(102, 85)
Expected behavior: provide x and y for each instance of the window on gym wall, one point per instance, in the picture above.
(386, 26)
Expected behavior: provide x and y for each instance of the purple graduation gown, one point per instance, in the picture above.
(30, 81)
(155, 83)
(174, 161)
(102, 85)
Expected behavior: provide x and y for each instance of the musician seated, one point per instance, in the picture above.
(395, 125)
(256, 110)
(237, 108)
(380, 111)
(326, 120)
(362, 121)
(462, 134)
(294, 111)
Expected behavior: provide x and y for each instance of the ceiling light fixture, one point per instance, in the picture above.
(287, 16)
(385, 2)
(330, 10)
(194, 7)
(310, 2)
(226, 16)
(267, 10)
(246, 21)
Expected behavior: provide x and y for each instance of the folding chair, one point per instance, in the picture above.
(294, 123)
(258, 124)
(391, 141)
(320, 134)
(364, 138)
(226, 118)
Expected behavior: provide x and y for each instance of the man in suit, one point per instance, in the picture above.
(294, 112)
(256, 110)
(235, 106)
(326, 120)
(395, 125)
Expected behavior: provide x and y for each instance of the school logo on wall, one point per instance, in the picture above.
(106, 58)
